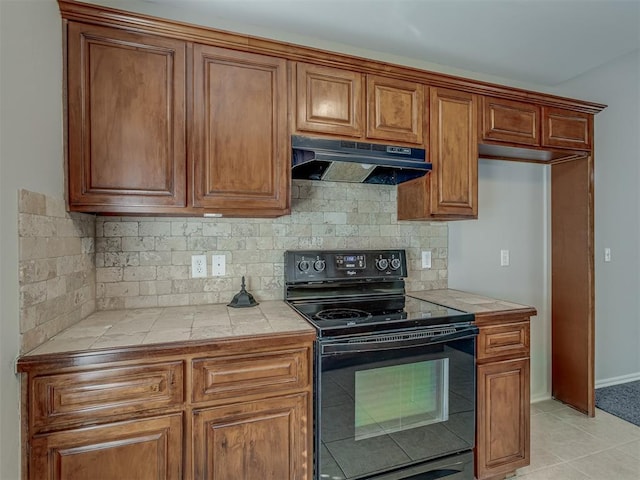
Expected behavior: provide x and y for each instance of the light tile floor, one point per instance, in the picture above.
(566, 445)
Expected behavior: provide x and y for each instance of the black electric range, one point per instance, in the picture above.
(392, 373)
(355, 292)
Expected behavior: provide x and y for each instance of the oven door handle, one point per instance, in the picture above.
(372, 343)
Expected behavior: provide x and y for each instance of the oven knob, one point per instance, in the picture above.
(303, 266)
(318, 265)
(382, 264)
(395, 263)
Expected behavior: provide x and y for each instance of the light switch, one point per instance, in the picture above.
(218, 265)
(607, 254)
(504, 258)
(426, 259)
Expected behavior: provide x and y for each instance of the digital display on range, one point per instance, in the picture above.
(351, 261)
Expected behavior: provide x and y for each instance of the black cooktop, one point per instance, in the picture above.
(339, 317)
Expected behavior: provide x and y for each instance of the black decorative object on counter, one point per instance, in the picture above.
(243, 298)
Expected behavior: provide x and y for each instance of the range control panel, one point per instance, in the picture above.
(318, 266)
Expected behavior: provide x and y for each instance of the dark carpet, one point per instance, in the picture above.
(621, 400)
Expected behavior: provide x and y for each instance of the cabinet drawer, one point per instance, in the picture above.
(566, 129)
(509, 121)
(502, 340)
(238, 375)
(70, 397)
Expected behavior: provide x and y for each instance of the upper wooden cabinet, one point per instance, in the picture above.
(566, 128)
(239, 131)
(169, 118)
(329, 100)
(450, 191)
(128, 128)
(126, 120)
(510, 121)
(332, 101)
(394, 109)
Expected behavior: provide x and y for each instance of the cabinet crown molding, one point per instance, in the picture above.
(79, 11)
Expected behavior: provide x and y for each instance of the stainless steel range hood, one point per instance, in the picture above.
(359, 162)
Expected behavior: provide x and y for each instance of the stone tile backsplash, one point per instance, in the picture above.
(72, 264)
(146, 261)
(56, 267)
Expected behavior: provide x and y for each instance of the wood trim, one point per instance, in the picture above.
(572, 285)
(73, 10)
(210, 347)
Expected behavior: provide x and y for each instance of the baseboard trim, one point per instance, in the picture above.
(541, 397)
(607, 382)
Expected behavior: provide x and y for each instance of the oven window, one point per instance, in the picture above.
(400, 397)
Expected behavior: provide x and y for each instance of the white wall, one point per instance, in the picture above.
(617, 214)
(31, 158)
(513, 215)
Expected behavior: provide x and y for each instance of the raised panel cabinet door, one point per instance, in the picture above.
(453, 148)
(265, 439)
(510, 121)
(147, 449)
(126, 120)
(241, 145)
(329, 100)
(502, 443)
(566, 129)
(394, 110)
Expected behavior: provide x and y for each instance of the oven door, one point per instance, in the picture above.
(392, 401)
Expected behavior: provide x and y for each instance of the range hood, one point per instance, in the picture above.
(357, 162)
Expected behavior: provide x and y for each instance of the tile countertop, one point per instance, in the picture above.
(476, 304)
(146, 326)
(110, 329)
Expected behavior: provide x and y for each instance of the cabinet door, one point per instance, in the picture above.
(450, 191)
(328, 100)
(148, 449)
(502, 443)
(394, 110)
(566, 129)
(453, 148)
(241, 148)
(126, 120)
(509, 121)
(266, 439)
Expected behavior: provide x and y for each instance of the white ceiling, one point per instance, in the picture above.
(536, 41)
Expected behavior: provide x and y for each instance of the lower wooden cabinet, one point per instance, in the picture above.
(503, 417)
(147, 449)
(503, 400)
(263, 440)
(129, 414)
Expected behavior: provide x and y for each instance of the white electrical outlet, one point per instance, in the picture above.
(198, 266)
(218, 267)
(504, 258)
(426, 259)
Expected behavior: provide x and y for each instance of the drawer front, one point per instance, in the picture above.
(92, 394)
(504, 340)
(238, 375)
(566, 129)
(509, 121)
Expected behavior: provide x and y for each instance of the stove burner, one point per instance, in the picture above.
(342, 314)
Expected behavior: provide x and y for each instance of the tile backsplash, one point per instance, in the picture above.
(146, 261)
(56, 267)
(72, 264)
